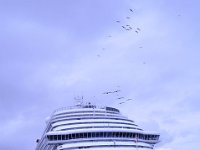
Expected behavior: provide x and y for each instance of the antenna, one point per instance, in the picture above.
(78, 100)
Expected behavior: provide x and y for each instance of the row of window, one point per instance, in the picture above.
(112, 109)
(103, 135)
(106, 146)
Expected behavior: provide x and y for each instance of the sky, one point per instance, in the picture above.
(52, 52)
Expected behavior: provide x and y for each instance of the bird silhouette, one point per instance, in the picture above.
(136, 31)
(128, 99)
(121, 102)
(116, 91)
(118, 21)
(120, 97)
(107, 92)
(131, 10)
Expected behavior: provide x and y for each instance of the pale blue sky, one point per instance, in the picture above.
(52, 51)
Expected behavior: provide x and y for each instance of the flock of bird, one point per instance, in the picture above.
(119, 98)
(126, 26)
(129, 27)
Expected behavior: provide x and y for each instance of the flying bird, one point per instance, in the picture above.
(121, 102)
(129, 100)
(124, 27)
(107, 92)
(118, 21)
(120, 97)
(116, 91)
(131, 10)
(138, 29)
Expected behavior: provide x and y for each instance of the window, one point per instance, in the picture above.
(73, 136)
(78, 135)
(63, 137)
(124, 134)
(117, 134)
(109, 134)
(84, 135)
(101, 134)
(55, 137)
(70, 136)
(93, 134)
(59, 137)
(97, 134)
(67, 137)
(89, 135)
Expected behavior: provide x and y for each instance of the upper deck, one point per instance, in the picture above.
(85, 107)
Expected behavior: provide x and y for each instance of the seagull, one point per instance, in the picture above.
(120, 98)
(116, 91)
(131, 10)
(123, 27)
(121, 102)
(118, 21)
(107, 92)
(136, 31)
(129, 100)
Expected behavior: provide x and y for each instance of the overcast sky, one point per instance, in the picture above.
(52, 51)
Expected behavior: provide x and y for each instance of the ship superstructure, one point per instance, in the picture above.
(87, 126)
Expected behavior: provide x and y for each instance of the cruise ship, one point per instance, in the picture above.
(87, 126)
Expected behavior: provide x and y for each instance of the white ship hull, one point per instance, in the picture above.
(94, 128)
